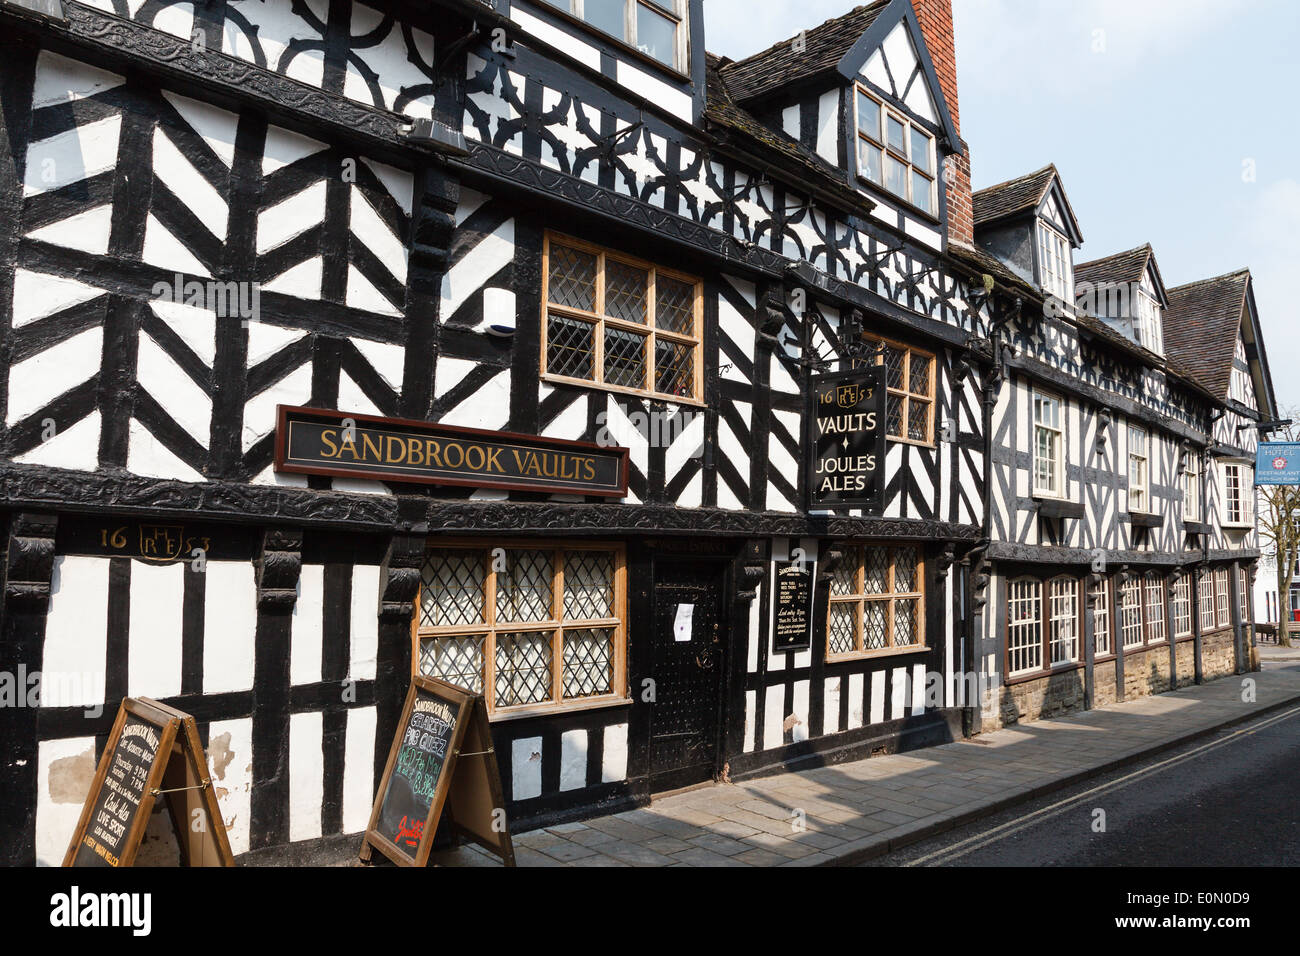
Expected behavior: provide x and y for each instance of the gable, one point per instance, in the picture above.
(891, 58)
(1055, 209)
(895, 69)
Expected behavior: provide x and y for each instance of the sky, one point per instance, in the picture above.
(1171, 121)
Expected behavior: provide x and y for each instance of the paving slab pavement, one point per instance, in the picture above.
(849, 812)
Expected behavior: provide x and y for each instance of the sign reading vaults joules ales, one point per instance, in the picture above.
(312, 441)
(847, 420)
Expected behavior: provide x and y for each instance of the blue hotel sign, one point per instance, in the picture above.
(1278, 463)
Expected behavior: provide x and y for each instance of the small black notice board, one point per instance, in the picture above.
(152, 751)
(441, 768)
(847, 420)
(792, 607)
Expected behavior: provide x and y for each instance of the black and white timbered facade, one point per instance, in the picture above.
(560, 221)
(536, 218)
(1122, 542)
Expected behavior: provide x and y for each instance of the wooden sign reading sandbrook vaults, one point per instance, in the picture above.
(847, 421)
(312, 441)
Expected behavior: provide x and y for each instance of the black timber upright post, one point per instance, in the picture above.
(399, 588)
(1117, 639)
(28, 569)
(1095, 582)
(1234, 600)
(1197, 576)
(278, 567)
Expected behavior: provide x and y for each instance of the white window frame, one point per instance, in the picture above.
(1147, 323)
(1153, 592)
(1063, 621)
(1024, 627)
(1055, 263)
(881, 142)
(1181, 606)
(1192, 486)
(1055, 433)
(1223, 599)
(1104, 647)
(1238, 510)
(1205, 591)
(1130, 602)
(1143, 459)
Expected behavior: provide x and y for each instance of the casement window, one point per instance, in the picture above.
(1146, 322)
(1205, 599)
(896, 154)
(620, 323)
(1139, 493)
(1055, 267)
(533, 629)
(1243, 595)
(1223, 597)
(1024, 626)
(1181, 606)
(1192, 486)
(1043, 625)
(877, 602)
(1049, 446)
(909, 380)
(1101, 620)
(1237, 489)
(1063, 620)
(654, 27)
(1130, 612)
(1154, 585)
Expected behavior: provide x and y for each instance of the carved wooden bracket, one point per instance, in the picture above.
(750, 570)
(29, 561)
(278, 567)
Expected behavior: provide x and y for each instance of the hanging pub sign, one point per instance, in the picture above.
(847, 420)
(152, 751)
(441, 768)
(1277, 463)
(792, 607)
(312, 441)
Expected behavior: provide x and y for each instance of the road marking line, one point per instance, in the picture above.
(981, 840)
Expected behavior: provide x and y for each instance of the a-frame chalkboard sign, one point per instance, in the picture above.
(152, 751)
(441, 768)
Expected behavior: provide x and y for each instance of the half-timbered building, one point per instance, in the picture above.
(1122, 545)
(557, 221)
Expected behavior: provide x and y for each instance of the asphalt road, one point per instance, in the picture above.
(1231, 799)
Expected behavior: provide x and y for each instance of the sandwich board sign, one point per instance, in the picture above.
(441, 768)
(153, 751)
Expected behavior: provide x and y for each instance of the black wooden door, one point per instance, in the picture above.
(685, 716)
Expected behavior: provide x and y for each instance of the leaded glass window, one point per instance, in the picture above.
(529, 627)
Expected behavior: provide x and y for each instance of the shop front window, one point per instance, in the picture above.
(529, 628)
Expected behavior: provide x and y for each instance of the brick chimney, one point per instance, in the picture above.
(935, 17)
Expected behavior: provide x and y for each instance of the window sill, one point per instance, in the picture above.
(1051, 506)
(620, 390)
(1144, 519)
(1024, 677)
(910, 441)
(548, 710)
(872, 655)
(1237, 526)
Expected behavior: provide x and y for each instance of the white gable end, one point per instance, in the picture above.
(895, 68)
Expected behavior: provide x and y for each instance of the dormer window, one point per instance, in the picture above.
(896, 154)
(1146, 324)
(653, 27)
(1055, 268)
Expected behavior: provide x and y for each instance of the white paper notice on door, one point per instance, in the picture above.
(682, 626)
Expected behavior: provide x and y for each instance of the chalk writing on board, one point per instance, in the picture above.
(119, 796)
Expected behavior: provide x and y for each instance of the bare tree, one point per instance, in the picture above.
(1279, 527)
